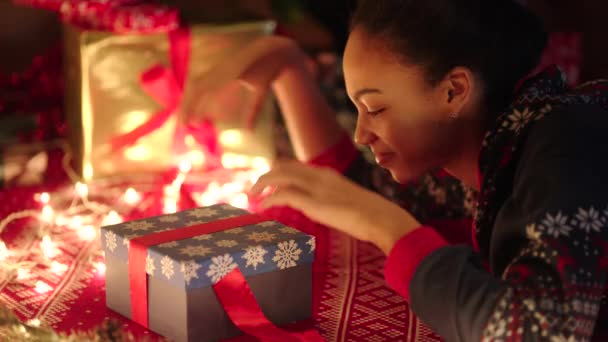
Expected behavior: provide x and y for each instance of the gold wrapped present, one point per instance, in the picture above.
(123, 93)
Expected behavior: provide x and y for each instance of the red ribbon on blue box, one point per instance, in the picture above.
(232, 290)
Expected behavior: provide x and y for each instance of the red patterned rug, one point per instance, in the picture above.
(353, 302)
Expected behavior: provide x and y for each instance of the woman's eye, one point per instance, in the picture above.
(375, 112)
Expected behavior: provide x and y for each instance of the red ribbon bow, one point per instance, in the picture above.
(166, 86)
(232, 290)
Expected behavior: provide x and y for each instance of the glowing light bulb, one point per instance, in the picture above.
(42, 287)
(207, 199)
(33, 322)
(131, 196)
(185, 166)
(240, 201)
(171, 191)
(61, 220)
(170, 206)
(4, 252)
(233, 187)
(82, 189)
(260, 164)
(234, 161)
(76, 222)
(100, 267)
(87, 233)
(58, 268)
(22, 274)
(47, 213)
(231, 137)
(44, 198)
(48, 247)
(111, 218)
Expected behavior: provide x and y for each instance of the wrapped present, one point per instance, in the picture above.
(123, 94)
(210, 273)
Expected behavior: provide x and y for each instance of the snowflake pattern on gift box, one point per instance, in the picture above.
(254, 256)
(267, 224)
(150, 265)
(226, 243)
(203, 212)
(169, 218)
(192, 251)
(205, 237)
(220, 266)
(189, 270)
(139, 225)
(166, 265)
(171, 244)
(287, 254)
(235, 231)
(110, 241)
(289, 230)
(312, 243)
(261, 237)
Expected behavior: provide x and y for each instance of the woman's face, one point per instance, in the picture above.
(409, 125)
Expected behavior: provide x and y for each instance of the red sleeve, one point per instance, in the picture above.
(407, 254)
(339, 157)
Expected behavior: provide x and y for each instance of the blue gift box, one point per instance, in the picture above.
(275, 259)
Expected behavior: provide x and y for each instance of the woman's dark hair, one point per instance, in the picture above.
(499, 40)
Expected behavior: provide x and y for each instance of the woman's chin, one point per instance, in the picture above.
(402, 176)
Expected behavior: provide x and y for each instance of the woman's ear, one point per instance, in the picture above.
(456, 89)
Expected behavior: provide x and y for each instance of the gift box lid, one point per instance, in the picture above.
(201, 261)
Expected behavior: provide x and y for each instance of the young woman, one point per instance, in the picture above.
(437, 84)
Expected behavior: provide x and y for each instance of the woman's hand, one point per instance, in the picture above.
(329, 198)
(254, 68)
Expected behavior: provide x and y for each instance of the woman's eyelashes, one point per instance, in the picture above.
(373, 113)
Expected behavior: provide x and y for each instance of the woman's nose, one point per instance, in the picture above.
(363, 136)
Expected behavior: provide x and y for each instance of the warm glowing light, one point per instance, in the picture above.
(131, 196)
(22, 274)
(44, 198)
(111, 218)
(87, 171)
(4, 252)
(233, 187)
(100, 267)
(171, 191)
(196, 158)
(47, 213)
(138, 153)
(61, 220)
(87, 233)
(207, 199)
(185, 166)
(33, 322)
(170, 206)
(42, 287)
(48, 247)
(231, 138)
(82, 189)
(240, 201)
(260, 164)
(234, 161)
(76, 222)
(58, 268)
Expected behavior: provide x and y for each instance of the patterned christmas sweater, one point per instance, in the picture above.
(537, 268)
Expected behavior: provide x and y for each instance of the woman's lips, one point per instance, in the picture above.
(384, 159)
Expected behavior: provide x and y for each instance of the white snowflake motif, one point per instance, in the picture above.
(150, 265)
(127, 238)
(562, 338)
(556, 225)
(235, 231)
(312, 243)
(166, 265)
(111, 241)
(171, 244)
(266, 224)
(589, 219)
(195, 251)
(254, 256)
(518, 119)
(203, 212)
(194, 223)
(139, 225)
(203, 237)
(168, 218)
(287, 254)
(226, 243)
(261, 236)
(220, 266)
(190, 270)
(289, 230)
